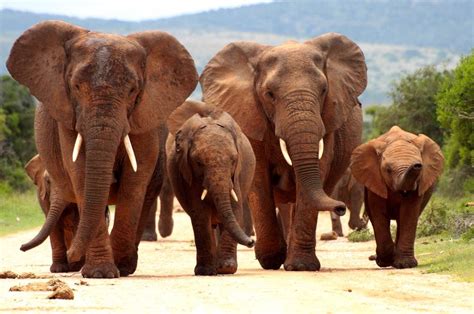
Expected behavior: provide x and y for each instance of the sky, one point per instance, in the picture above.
(128, 10)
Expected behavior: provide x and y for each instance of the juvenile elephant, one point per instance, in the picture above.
(211, 166)
(101, 93)
(351, 192)
(399, 171)
(67, 216)
(291, 101)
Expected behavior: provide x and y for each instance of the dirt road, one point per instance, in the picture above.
(164, 283)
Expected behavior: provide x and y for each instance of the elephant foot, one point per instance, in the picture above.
(272, 260)
(149, 236)
(205, 270)
(384, 260)
(76, 266)
(165, 226)
(104, 270)
(127, 264)
(59, 267)
(227, 266)
(405, 262)
(306, 262)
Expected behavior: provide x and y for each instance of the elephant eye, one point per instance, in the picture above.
(323, 91)
(389, 170)
(270, 95)
(132, 90)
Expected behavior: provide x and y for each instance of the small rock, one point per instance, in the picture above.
(349, 290)
(82, 283)
(372, 257)
(329, 236)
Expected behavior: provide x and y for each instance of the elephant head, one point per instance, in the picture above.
(299, 92)
(40, 177)
(397, 161)
(209, 149)
(103, 87)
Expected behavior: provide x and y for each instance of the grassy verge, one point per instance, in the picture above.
(442, 254)
(19, 211)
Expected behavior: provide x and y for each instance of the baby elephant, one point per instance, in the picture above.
(63, 218)
(399, 170)
(211, 166)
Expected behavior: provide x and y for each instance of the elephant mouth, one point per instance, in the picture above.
(286, 155)
(126, 141)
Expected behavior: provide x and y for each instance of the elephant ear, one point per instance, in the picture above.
(228, 83)
(183, 142)
(432, 159)
(170, 77)
(365, 166)
(346, 73)
(36, 171)
(38, 61)
(181, 114)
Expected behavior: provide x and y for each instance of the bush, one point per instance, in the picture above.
(362, 235)
(433, 220)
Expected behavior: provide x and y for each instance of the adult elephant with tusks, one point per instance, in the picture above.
(103, 98)
(298, 105)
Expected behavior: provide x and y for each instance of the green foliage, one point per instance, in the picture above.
(362, 235)
(18, 211)
(16, 132)
(413, 105)
(433, 220)
(456, 114)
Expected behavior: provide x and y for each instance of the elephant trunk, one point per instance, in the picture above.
(102, 138)
(56, 209)
(227, 217)
(409, 180)
(305, 129)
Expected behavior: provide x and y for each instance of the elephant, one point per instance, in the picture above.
(210, 165)
(351, 192)
(98, 94)
(298, 105)
(399, 171)
(63, 231)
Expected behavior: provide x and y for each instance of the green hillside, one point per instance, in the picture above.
(396, 36)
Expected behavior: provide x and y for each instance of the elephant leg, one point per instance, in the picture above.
(248, 222)
(149, 234)
(406, 234)
(226, 253)
(302, 240)
(378, 215)
(336, 224)
(59, 250)
(284, 217)
(270, 248)
(165, 222)
(99, 257)
(205, 245)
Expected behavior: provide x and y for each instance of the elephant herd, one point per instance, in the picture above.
(278, 127)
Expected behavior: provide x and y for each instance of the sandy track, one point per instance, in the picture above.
(164, 283)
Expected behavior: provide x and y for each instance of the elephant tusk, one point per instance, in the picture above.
(234, 196)
(321, 149)
(203, 195)
(130, 153)
(77, 147)
(284, 151)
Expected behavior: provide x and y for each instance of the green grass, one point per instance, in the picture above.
(19, 211)
(442, 254)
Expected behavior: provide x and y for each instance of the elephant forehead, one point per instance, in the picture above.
(214, 139)
(292, 51)
(403, 148)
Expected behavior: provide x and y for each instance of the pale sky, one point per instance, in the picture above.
(128, 10)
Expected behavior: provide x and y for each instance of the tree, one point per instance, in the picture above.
(456, 113)
(413, 105)
(17, 144)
